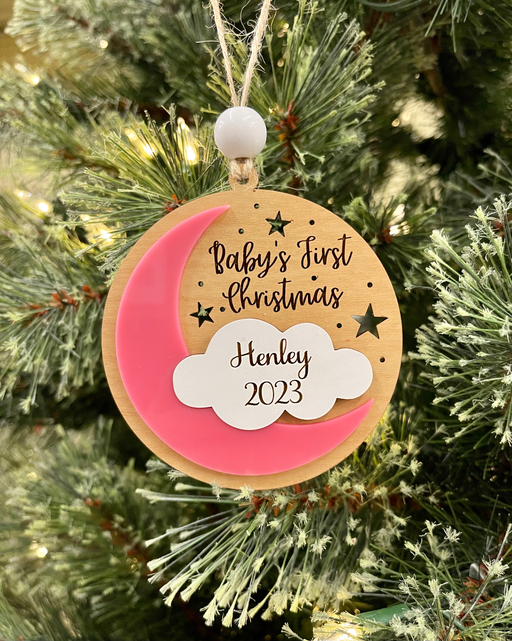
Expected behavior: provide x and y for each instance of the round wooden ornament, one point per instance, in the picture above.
(252, 337)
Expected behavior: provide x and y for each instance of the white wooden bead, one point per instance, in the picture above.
(240, 132)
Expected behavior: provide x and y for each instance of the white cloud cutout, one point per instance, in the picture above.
(251, 373)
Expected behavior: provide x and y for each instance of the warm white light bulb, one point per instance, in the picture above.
(191, 154)
(103, 44)
(182, 124)
(350, 633)
(148, 150)
(27, 75)
(42, 552)
(44, 207)
(105, 235)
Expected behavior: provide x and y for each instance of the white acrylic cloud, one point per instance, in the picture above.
(251, 373)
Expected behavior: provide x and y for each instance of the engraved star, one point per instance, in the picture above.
(277, 224)
(202, 314)
(369, 322)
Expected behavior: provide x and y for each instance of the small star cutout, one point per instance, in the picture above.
(369, 322)
(277, 224)
(202, 314)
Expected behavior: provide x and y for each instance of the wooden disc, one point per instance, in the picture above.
(321, 253)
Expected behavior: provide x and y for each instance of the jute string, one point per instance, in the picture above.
(241, 168)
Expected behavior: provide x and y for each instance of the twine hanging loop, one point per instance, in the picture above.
(241, 169)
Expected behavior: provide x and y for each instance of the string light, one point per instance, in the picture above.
(44, 207)
(103, 44)
(28, 76)
(23, 194)
(283, 30)
(186, 142)
(39, 550)
(145, 148)
(105, 235)
(191, 154)
(349, 633)
(396, 122)
(148, 150)
(85, 217)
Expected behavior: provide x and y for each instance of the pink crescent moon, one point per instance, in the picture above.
(150, 344)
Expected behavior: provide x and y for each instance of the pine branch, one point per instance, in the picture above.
(301, 543)
(51, 306)
(444, 594)
(156, 173)
(313, 126)
(60, 133)
(466, 347)
(397, 232)
(453, 12)
(72, 533)
(78, 40)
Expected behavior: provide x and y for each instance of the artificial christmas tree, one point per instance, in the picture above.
(395, 117)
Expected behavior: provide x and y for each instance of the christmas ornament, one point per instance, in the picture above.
(252, 337)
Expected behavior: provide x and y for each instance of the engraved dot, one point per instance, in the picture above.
(200, 283)
(222, 309)
(339, 325)
(256, 206)
(314, 277)
(240, 231)
(311, 222)
(382, 360)
(370, 284)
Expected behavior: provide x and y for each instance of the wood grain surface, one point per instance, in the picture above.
(362, 280)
